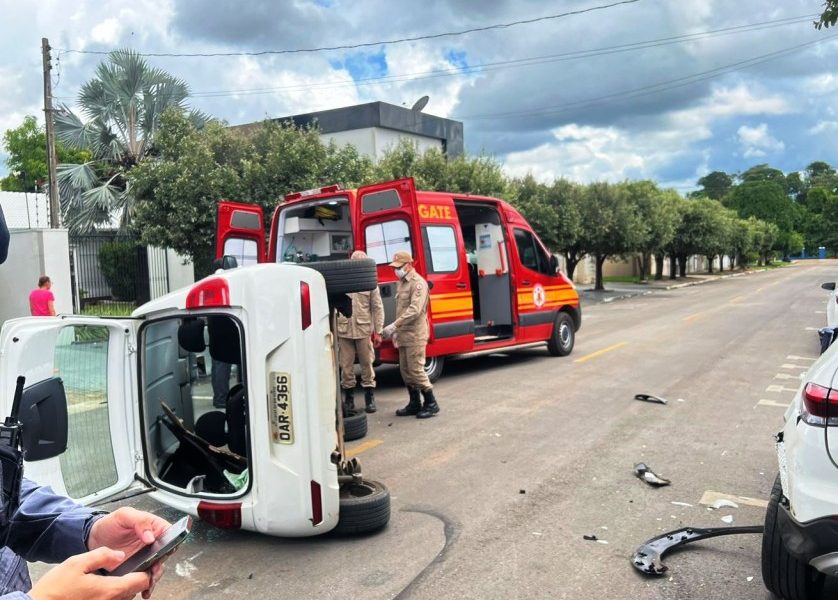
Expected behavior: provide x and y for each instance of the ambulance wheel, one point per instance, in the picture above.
(563, 336)
(434, 366)
(354, 425)
(347, 276)
(364, 507)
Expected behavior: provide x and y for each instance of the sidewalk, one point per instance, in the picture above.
(620, 291)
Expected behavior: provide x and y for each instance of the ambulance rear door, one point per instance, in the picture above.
(240, 232)
(95, 360)
(385, 217)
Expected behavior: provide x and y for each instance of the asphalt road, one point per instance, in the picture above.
(530, 452)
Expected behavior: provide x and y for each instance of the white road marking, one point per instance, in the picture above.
(812, 328)
(784, 376)
(779, 388)
(764, 402)
(795, 357)
(790, 366)
(710, 497)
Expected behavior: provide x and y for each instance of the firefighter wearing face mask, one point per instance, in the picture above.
(409, 333)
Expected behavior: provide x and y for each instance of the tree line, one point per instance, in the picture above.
(143, 154)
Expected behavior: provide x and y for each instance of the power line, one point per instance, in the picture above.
(521, 62)
(369, 44)
(649, 89)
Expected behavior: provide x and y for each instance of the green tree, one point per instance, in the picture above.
(766, 200)
(26, 146)
(122, 105)
(764, 172)
(829, 16)
(659, 215)
(611, 225)
(716, 185)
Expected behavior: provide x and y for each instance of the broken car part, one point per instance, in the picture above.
(642, 471)
(648, 558)
(650, 398)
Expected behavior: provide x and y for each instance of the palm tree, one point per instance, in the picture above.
(122, 105)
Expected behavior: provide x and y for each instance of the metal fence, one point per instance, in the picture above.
(115, 272)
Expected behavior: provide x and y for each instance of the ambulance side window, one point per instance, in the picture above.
(441, 249)
(385, 239)
(377, 201)
(531, 253)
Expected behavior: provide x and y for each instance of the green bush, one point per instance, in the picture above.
(118, 261)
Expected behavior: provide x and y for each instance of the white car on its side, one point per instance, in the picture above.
(800, 542)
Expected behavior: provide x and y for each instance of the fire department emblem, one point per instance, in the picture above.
(539, 296)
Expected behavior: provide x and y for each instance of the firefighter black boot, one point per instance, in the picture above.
(413, 407)
(430, 407)
(369, 400)
(348, 400)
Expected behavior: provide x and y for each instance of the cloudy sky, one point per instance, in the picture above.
(662, 89)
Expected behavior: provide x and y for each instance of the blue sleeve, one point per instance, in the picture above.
(48, 527)
(16, 596)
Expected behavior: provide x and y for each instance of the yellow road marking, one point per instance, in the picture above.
(737, 299)
(363, 447)
(697, 315)
(599, 352)
(710, 497)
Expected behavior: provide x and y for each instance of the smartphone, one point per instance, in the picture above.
(145, 558)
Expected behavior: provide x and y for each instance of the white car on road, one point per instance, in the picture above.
(800, 542)
(831, 304)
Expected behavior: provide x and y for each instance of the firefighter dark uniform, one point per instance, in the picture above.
(410, 333)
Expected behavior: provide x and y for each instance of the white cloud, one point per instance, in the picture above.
(824, 127)
(757, 142)
(106, 32)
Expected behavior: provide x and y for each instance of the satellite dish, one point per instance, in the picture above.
(420, 103)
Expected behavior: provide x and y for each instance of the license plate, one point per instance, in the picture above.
(282, 423)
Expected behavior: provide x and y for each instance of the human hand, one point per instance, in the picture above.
(395, 340)
(77, 579)
(128, 529)
(389, 331)
(376, 340)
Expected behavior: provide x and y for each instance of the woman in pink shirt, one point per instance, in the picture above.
(41, 300)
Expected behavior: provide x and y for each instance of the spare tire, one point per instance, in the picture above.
(347, 276)
(354, 425)
(364, 507)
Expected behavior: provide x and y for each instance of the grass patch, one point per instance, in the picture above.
(622, 279)
(109, 309)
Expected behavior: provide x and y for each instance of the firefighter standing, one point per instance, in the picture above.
(356, 335)
(410, 334)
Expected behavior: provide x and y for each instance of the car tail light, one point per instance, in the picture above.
(223, 516)
(209, 292)
(305, 304)
(316, 504)
(821, 401)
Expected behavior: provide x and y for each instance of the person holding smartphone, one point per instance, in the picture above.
(54, 529)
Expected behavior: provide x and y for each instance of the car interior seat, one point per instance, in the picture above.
(225, 346)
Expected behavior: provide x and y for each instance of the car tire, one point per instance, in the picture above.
(364, 507)
(784, 575)
(347, 276)
(563, 337)
(434, 366)
(354, 425)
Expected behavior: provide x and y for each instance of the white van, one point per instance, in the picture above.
(139, 412)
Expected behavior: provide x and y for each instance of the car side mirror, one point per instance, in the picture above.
(829, 286)
(225, 262)
(43, 418)
(554, 263)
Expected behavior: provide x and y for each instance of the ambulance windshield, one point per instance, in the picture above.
(195, 403)
(315, 231)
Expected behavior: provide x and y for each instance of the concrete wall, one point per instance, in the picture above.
(181, 271)
(32, 254)
(375, 141)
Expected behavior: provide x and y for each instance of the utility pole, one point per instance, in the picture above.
(52, 162)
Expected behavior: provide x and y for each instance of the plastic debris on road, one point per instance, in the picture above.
(722, 503)
(642, 471)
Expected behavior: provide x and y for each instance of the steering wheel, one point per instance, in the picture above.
(218, 459)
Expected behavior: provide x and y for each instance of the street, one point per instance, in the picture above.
(491, 499)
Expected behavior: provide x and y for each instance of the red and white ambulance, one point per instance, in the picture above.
(493, 283)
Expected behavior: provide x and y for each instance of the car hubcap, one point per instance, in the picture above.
(430, 365)
(564, 335)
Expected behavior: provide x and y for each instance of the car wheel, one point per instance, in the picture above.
(783, 574)
(354, 425)
(563, 337)
(364, 507)
(346, 276)
(434, 366)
